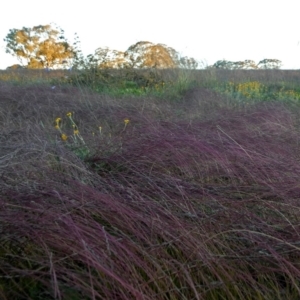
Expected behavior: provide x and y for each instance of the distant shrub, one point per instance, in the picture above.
(15, 67)
(126, 81)
(256, 90)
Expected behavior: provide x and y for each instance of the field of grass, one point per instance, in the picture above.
(150, 185)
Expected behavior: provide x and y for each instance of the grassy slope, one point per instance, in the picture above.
(192, 199)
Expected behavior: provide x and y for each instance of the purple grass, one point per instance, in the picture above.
(190, 200)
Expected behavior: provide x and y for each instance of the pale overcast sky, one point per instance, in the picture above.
(208, 30)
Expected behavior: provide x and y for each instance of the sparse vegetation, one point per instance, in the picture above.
(167, 184)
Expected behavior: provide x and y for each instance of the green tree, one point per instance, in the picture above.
(39, 47)
(270, 64)
(235, 65)
(223, 64)
(108, 58)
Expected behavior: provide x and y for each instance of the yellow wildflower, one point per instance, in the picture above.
(64, 137)
(76, 131)
(69, 114)
(126, 121)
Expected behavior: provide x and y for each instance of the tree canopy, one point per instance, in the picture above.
(39, 47)
(44, 46)
(143, 55)
(270, 64)
(247, 64)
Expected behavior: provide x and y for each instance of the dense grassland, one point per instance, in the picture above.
(149, 185)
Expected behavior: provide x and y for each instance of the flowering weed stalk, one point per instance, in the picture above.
(126, 122)
(78, 146)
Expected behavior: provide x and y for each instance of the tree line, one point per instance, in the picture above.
(45, 47)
